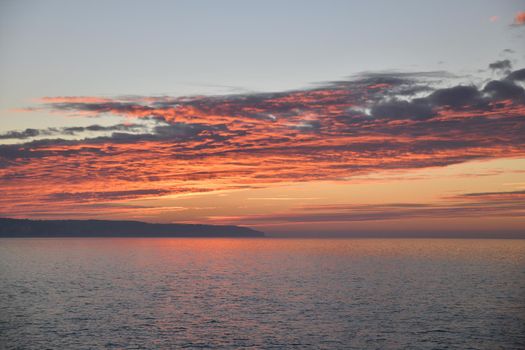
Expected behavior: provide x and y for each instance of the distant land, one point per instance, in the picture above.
(111, 228)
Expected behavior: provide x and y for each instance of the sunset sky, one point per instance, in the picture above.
(292, 117)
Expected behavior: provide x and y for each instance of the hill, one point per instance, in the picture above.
(110, 228)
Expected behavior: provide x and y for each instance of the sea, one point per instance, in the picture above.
(261, 293)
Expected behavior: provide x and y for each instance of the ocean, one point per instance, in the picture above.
(261, 293)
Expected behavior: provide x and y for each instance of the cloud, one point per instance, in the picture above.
(105, 195)
(470, 205)
(517, 75)
(503, 90)
(456, 97)
(519, 19)
(370, 123)
(496, 195)
(24, 134)
(74, 130)
(503, 65)
(400, 109)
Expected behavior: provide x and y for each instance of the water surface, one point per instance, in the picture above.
(133, 293)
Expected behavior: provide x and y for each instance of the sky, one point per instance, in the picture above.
(321, 118)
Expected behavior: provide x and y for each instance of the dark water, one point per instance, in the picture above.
(261, 293)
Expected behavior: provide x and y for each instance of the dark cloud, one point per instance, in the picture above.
(504, 89)
(488, 194)
(24, 134)
(106, 107)
(74, 130)
(105, 195)
(121, 133)
(184, 131)
(396, 109)
(117, 127)
(456, 97)
(398, 78)
(517, 75)
(503, 65)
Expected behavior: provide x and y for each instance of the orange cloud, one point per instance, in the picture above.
(188, 145)
(519, 19)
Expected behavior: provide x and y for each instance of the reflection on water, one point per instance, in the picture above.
(269, 293)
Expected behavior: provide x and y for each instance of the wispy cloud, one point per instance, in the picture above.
(68, 131)
(482, 205)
